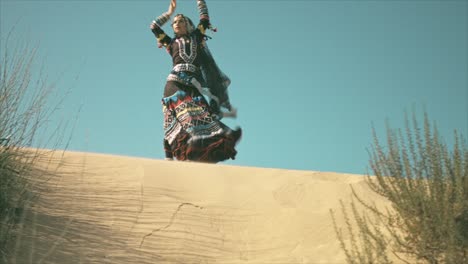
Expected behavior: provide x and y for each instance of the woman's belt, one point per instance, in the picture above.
(185, 67)
(184, 73)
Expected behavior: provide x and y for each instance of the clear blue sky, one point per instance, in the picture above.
(308, 77)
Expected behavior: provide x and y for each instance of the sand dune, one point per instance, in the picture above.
(113, 209)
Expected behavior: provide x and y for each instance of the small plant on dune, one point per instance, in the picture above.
(426, 184)
(24, 112)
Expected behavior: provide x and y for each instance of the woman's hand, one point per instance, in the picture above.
(172, 7)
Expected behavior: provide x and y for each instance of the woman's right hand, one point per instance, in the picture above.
(172, 7)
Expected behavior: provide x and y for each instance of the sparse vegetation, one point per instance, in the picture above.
(24, 112)
(426, 184)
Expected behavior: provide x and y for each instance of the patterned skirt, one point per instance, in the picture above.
(192, 132)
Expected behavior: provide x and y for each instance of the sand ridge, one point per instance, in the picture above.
(116, 209)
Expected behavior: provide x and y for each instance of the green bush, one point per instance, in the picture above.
(426, 184)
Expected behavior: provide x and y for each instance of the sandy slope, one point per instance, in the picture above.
(112, 209)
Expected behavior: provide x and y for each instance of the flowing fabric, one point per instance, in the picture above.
(215, 80)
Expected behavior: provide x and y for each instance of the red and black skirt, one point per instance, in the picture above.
(191, 131)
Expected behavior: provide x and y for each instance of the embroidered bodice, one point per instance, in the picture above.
(185, 50)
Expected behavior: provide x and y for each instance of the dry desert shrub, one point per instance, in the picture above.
(426, 184)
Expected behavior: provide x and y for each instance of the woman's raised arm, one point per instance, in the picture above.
(204, 16)
(162, 19)
(156, 25)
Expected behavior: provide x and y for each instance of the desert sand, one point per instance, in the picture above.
(114, 209)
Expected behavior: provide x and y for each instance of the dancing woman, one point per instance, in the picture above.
(195, 95)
